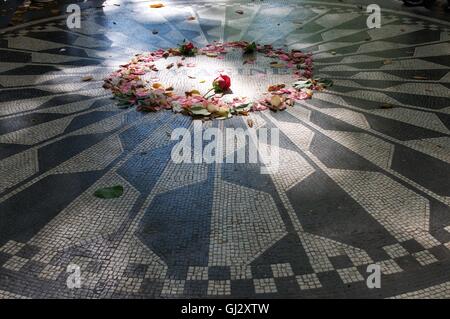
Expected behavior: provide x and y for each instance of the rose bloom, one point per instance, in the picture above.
(222, 83)
(189, 46)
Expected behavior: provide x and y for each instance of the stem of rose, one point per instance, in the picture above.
(207, 93)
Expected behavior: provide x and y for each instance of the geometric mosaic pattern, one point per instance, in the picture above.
(364, 176)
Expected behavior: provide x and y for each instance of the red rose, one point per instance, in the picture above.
(222, 83)
(189, 46)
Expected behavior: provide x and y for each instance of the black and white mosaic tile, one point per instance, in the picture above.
(357, 184)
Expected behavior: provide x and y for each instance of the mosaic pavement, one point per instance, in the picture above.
(358, 184)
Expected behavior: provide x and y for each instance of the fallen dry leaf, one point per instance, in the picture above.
(387, 61)
(275, 87)
(191, 18)
(86, 78)
(275, 101)
(156, 5)
(169, 66)
(250, 122)
(276, 65)
(211, 108)
(192, 92)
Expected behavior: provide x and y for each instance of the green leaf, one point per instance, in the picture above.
(199, 110)
(325, 82)
(217, 88)
(242, 108)
(229, 115)
(109, 192)
(302, 84)
(250, 48)
(124, 105)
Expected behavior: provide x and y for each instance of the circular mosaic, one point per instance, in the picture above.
(362, 180)
(130, 86)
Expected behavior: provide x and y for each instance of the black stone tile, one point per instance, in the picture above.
(28, 93)
(14, 56)
(219, 273)
(24, 214)
(287, 286)
(69, 51)
(177, 229)
(325, 209)
(135, 270)
(358, 23)
(248, 175)
(196, 288)
(143, 170)
(317, 102)
(440, 59)
(394, 53)
(440, 252)
(28, 120)
(407, 263)
(33, 268)
(312, 27)
(28, 251)
(242, 288)
(330, 280)
(399, 130)
(31, 70)
(334, 155)
(55, 36)
(330, 123)
(445, 118)
(80, 63)
(55, 153)
(427, 101)
(439, 220)
(290, 250)
(356, 37)
(7, 150)
(433, 173)
(347, 49)
(65, 99)
(4, 257)
(342, 261)
(177, 272)
(262, 271)
(415, 37)
(412, 246)
(87, 119)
